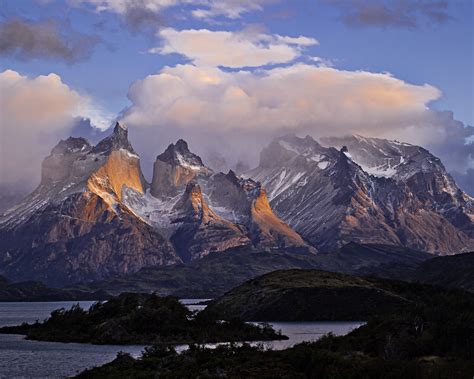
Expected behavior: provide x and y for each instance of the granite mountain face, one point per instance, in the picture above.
(366, 190)
(74, 226)
(94, 216)
(201, 211)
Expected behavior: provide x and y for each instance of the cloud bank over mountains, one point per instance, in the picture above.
(233, 91)
(298, 97)
(35, 113)
(240, 111)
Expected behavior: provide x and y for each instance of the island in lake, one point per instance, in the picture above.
(140, 319)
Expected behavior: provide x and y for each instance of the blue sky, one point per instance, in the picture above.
(244, 70)
(434, 53)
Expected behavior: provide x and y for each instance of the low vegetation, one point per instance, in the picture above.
(430, 336)
(139, 319)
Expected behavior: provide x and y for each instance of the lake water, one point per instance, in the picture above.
(36, 359)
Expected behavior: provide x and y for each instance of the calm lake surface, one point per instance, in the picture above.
(36, 359)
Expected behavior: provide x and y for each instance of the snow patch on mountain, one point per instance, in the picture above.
(191, 164)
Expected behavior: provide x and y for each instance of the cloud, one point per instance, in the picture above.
(465, 181)
(231, 49)
(122, 6)
(290, 97)
(232, 9)
(35, 113)
(393, 13)
(236, 113)
(139, 13)
(28, 40)
(240, 111)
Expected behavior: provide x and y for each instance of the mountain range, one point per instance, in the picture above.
(366, 190)
(94, 215)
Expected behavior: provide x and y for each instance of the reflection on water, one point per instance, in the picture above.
(23, 358)
(297, 332)
(194, 304)
(14, 313)
(30, 359)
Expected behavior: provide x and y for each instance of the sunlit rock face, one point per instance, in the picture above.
(92, 215)
(81, 239)
(248, 204)
(74, 226)
(120, 169)
(202, 212)
(201, 230)
(365, 190)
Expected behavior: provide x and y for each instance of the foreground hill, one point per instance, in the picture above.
(452, 272)
(431, 335)
(314, 295)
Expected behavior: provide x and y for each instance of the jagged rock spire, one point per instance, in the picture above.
(117, 140)
(174, 168)
(179, 154)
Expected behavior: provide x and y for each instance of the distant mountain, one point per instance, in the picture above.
(218, 273)
(201, 211)
(366, 190)
(37, 291)
(94, 216)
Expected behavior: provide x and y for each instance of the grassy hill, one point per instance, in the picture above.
(313, 295)
(455, 271)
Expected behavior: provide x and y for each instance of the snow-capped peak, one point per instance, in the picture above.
(179, 155)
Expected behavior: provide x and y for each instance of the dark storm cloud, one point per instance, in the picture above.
(392, 13)
(139, 18)
(25, 39)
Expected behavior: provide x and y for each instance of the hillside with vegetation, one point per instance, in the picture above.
(139, 319)
(430, 335)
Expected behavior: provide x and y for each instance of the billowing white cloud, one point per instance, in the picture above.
(34, 113)
(231, 49)
(240, 111)
(292, 97)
